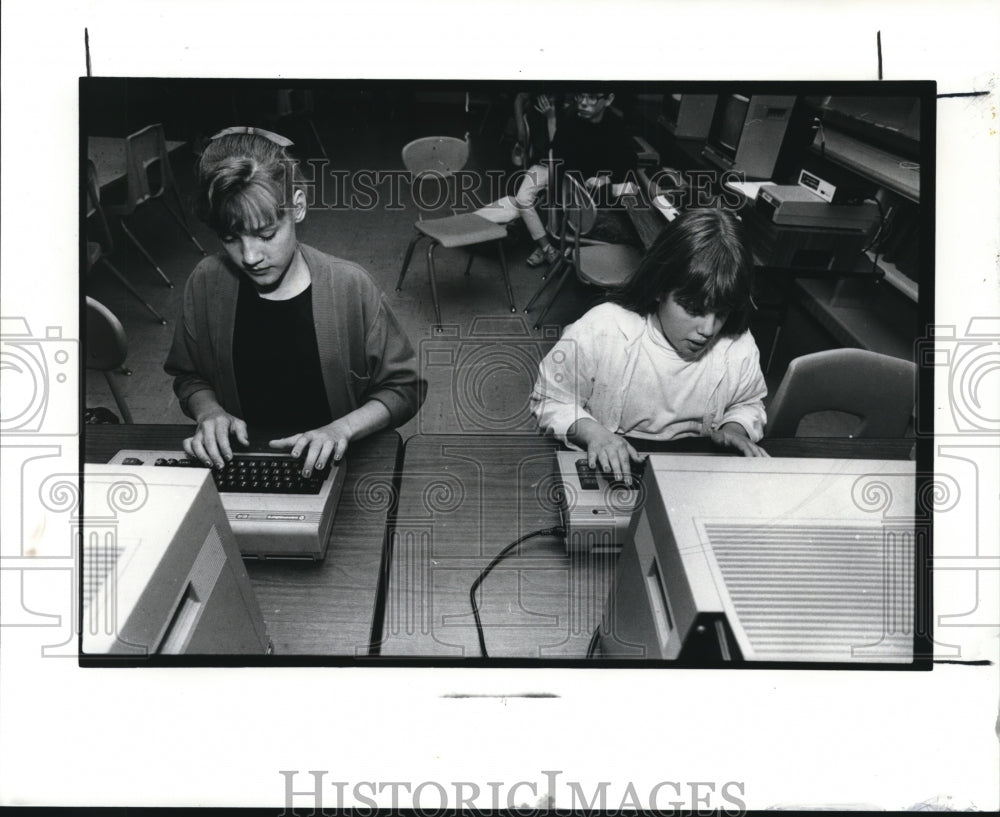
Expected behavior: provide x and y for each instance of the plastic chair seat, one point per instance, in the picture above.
(608, 265)
(461, 230)
(878, 389)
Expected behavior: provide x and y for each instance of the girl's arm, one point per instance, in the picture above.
(564, 385)
(745, 404)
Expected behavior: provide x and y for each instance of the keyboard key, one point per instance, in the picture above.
(252, 473)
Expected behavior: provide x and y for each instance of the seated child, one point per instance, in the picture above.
(586, 140)
(669, 357)
(276, 334)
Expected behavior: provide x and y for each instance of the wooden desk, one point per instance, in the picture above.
(108, 155)
(325, 608)
(462, 499)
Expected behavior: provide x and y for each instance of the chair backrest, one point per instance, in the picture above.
(878, 389)
(107, 346)
(439, 156)
(147, 165)
(95, 211)
(578, 208)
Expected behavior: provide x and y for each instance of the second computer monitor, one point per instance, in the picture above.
(747, 133)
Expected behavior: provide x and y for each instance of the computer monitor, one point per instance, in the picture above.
(688, 116)
(162, 574)
(731, 559)
(747, 132)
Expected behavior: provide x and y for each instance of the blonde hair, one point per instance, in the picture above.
(245, 183)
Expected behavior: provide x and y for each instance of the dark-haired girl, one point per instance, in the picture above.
(670, 356)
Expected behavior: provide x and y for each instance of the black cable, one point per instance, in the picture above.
(592, 646)
(556, 531)
(873, 244)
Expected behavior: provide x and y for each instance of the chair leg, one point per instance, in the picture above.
(545, 282)
(468, 266)
(125, 283)
(146, 254)
(506, 277)
(559, 287)
(179, 218)
(434, 292)
(119, 398)
(406, 260)
(547, 271)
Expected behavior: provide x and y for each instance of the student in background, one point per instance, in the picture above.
(588, 141)
(670, 357)
(275, 334)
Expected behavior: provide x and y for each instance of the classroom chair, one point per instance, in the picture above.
(878, 389)
(98, 251)
(440, 157)
(107, 348)
(150, 178)
(595, 263)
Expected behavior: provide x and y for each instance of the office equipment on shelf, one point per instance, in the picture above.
(747, 133)
(794, 205)
(595, 508)
(688, 116)
(162, 574)
(755, 559)
(273, 510)
(823, 188)
(801, 248)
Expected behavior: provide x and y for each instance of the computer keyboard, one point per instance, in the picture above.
(591, 478)
(595, 507)
(274, 511)
(253, 473)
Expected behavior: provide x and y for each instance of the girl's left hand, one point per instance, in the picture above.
(732, 435)
(318, 445)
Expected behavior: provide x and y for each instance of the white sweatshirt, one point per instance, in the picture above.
(615, 367)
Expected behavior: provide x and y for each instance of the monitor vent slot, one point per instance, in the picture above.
(821, 592)
(100, 557)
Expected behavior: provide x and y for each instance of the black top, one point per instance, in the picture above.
(276, 362)
(592, 149)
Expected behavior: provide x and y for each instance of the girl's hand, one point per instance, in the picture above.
(544, 106)
(733, 435)
(318, 445)
(605, 449)
(210, 442)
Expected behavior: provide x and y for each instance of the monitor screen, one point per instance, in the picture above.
(729, 122)
(671, 107)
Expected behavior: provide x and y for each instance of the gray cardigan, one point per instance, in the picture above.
(363, 351)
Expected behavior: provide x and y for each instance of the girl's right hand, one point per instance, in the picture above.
(606, 450)
(210, 442)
